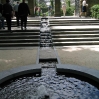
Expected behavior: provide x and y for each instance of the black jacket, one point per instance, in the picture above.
(7, 9)
(23, 9)
(1, 8)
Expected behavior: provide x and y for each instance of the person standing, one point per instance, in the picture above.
(64, 9)
(7, 13)
(1, 8)
(2, 21)
(84, 8)
(1, 17)
(16, 13)
(23, 11)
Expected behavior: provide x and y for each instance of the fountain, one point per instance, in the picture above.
(50, 84)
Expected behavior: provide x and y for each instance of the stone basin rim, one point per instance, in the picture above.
(19, 71)
(60, 68)
(83, 71)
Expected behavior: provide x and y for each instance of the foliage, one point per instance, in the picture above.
(41, 3)
(69, 11)
(95, 11)
(69, 8)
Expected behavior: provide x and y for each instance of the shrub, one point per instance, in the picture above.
(69, 11)
(95, 11)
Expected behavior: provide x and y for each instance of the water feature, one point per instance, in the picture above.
(57, 87)
(49, 85)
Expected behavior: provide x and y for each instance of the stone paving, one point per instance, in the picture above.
(47, 53)
(82, 56)
(14, 58)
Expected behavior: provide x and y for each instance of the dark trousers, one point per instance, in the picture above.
(24, 21)
(17, 18)
(8, 20)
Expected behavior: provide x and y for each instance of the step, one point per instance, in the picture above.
(67, 28)
(20, 37)
(19, 44)
(18, 40)
(76, 43)
(75, 32)
(47, 54)
(72, 24)
(75, 35)
(74, 21)
(20, 33)
(76, 39)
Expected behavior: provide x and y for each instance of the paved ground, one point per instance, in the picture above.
(82, 56)
(15, 58)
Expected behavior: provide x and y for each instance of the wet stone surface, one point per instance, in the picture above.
(57, 86)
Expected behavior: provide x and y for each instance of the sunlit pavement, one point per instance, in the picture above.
(87, 56)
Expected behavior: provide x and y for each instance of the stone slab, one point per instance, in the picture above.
(12, 58)
(87, 56)
(12, 73)
(47, 53)
(83, 71)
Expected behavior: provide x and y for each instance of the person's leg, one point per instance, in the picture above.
(22, 22)
(2, 23)
(7, 20)
(18, 21)
(85, 10)
(25, 21)
(17, 18)
(9, 23)
(64, 12)
(81, 11)
(85, 14)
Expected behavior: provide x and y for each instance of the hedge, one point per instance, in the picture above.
(95, 11)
